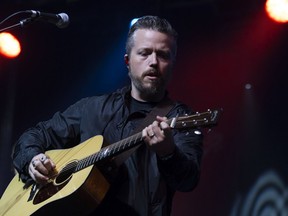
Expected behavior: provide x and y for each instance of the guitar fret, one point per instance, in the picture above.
(79, 166)
(128, 143)
(100, 155)
(120, 146)
(123, 145)
(90, 160)
(97, 157)
(114, 149)
(109, 152)
(85, 162)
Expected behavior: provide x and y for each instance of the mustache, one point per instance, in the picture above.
(151, 72)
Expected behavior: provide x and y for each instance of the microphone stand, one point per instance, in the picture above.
(22, 23)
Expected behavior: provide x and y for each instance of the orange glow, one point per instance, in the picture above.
(9, 45)
(277, 10)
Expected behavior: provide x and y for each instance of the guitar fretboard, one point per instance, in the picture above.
(110, 151)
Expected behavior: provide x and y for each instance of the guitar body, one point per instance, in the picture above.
(77, 193)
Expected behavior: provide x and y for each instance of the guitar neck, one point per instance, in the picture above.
(205, 119)
(110, 151)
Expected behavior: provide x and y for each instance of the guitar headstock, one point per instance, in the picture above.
(203, 119)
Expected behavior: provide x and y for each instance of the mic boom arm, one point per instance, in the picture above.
(60, 20)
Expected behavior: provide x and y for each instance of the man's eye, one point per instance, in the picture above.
(164, 55)
(143, 53)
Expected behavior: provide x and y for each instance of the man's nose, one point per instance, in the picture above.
(153, 59)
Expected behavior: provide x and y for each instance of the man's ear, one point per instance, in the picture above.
(126, 59)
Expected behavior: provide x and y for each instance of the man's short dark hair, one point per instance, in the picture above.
(153, 23)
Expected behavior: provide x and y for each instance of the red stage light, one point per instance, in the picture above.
(9, 45)
(277, 10)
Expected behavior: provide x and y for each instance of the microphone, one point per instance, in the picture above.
(61, 20)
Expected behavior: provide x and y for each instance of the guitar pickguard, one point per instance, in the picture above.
(49, 190)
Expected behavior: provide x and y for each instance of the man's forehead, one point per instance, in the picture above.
(148, 32)
(149, 36)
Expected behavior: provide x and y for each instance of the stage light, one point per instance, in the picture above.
(248, 86)
(277, 10)
(9, 45)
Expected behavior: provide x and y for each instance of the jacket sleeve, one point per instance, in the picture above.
(181, 169)
(61, 131)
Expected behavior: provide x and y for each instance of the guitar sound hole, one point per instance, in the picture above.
(66, 172)
(49, 190)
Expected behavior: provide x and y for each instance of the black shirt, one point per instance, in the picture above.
(149, 183)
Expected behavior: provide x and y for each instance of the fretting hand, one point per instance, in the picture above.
(158, 137)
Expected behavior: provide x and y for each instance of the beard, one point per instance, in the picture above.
(149, 89)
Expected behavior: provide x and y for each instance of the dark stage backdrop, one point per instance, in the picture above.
(230, 55)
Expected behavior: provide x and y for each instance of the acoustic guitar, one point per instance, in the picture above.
(78, 187)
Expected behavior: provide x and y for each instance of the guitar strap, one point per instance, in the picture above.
(161, 109)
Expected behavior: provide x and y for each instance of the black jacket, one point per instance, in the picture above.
(147, 183)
